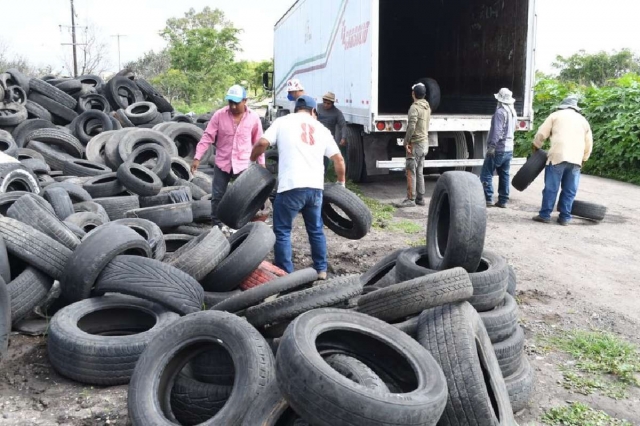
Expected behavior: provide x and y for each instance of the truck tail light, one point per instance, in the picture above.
(380, 125)
(522, 124)
(397, 125)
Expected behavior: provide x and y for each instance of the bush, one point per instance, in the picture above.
(613, 111)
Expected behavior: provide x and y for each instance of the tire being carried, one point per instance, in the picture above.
(530, 170)
(358, 221)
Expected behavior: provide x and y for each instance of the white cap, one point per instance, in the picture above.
(294, 85)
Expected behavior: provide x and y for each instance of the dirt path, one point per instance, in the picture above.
(583, 276)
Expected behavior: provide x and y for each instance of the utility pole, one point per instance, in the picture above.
(73, 40)
(118, 36)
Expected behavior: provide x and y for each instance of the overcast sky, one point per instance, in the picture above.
(32, 27)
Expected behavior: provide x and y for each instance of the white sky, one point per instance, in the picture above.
(31, 27)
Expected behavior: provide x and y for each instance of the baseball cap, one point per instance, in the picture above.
(420, 90)
(236, 94)
(294, 85)
(306, 102)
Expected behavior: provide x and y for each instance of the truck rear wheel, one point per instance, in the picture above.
(356, 169)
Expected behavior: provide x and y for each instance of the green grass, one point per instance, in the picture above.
(587, 384)
(198, 107)
(405, 226)
(578, 414)
(417, 243)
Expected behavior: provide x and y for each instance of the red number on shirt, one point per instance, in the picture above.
(307, 134)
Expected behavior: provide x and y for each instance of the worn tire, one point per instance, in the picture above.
(180, 170)
(14, 177)
(76, 192)
(194, 402)
(5, 319)
(413, 263)
(287, 307)
(51, 92)
(511, 287)
(520, 386)
(324, 397)
(53, 156)
(154, 156)
(134, 139)
(141, 112)
(84, 168)
(586, 210)
(213, 298)
(91, 207)
(245, 197)
(139, 179)
(86, 221)
(121, 92)
(93, 102)
(60, 113)
(150, 232)
(60, 202)
(202, 254)
(95, 341)
(99, 122)
(22, 130)
(28, 290)
(457, 222)
(381, 271)
(358, 221)
(530, 170)
(94, 253)
(167, 216)
(502, 321)
(412, 297)
(186, 137)
(168, 195)
(510, 352)
(490, 282)
(117, 207)
(153, 95)
(250, 353)
(455, 336)
(103, 186)
(249, 246)
(152, 280)
(173, 242)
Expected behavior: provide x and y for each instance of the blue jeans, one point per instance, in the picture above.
(567, 175)
(286, 207)
(502, 163)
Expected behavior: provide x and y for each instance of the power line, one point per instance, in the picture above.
(118, 36)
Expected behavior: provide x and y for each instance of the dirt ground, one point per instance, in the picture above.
(581, 276)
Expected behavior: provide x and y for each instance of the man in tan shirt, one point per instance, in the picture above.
(571, 144)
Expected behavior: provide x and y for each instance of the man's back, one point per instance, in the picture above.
(302, 143)
(570, 135)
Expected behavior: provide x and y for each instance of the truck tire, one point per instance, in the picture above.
(245, 197)
(323, 396)
(433, 92)
(28, 290)
(457, 222)
(530, 170)
(356, 168)
(202, 254)
(414, 296)
(98, 341)
(250, 353)
(520, 386)
(502, 321)
(455, 336)
(413, 263)
(588, 210)
(356, 224)
(152, 280)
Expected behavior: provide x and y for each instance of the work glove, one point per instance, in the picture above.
(491, 152)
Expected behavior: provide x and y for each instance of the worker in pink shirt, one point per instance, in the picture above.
(234, 130)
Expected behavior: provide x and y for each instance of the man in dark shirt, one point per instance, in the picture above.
(333, 119)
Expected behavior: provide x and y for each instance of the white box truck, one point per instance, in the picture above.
(371, 52)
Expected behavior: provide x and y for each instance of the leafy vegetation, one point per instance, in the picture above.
(598, 68)
(579, 414)
(587, 384)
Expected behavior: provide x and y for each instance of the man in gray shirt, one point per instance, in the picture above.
(333, 119)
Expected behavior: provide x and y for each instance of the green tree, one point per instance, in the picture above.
(584, 68)
(259, 69)
(202, 46)
(151, 64)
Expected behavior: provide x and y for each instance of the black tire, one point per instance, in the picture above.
(258, 294)
(60, 113)
(95, 149)
(36, 212)
(271, 159)
(53, 156)
(213, 298)
(357, 222)
(455, 336)
(251, 356)
(530, 170)
(123, 119)
(270, 409)
(180, 170)
(122, 92)
(181, 118)
(8, 198)
(433, 93)
(510, 352)
(34, 247)
(28, 290)
(133, 139)
(5, 319)
(153, 95)
(173, 242)
(79, 232)
(501, 322)
(60, 201)
(91, 207)
(91, 123)
(409, 298)
(91, 80)
(520, 386)
(152, 156)
(150, 232)
(186, 137)
(35, 110)
(250, 245)
(5, 264)
(152, 280)
(409, 326)
(196, 192)
(66, 142)
(98, 341)
(106, 185)
(94, 253)
(201, 211)
(490, 282)
(457, 222)
(168, 195)
(29, 154)
(193, 402)
(93, 102)
(22, 130)
(413, 263)
(86, 221)
(165, 216)
(214, 366)
(117, 207)
(51, 92)
(511, 288)
(8, 145)
(586, 210)
(139, 179)
(325, 397)
(14, 177)
(18, 78)
(356, 168)
(12, 114)
(36, 166)
(141, 112)
(357, 371)
(245, 197)
(76, 192)
(287, 307)
(84, 168)
(202, 254)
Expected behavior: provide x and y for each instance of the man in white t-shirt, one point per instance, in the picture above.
(302, 142)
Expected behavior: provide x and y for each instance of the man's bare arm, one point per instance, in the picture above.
(338, 165)
(259, 148)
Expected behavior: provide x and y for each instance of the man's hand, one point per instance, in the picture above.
(409, 149)
(533, 148)
(491, 152)
(194, 165)
(343, 142)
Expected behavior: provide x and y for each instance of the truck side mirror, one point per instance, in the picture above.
(267, 80)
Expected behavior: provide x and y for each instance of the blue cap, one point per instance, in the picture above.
(307, 102)
(236, 94)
